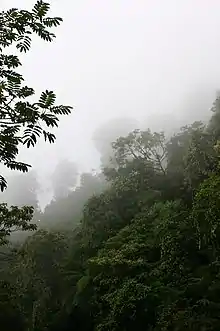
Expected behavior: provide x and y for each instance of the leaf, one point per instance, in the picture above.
(47, 99)
(49, 136)
(3, 183)
(31, 134)
(13, 165)
(45, 35)
(11, 61)
(50, 120)
(25, 92)
(41, 8)
(24, 43)
(61, 110)
(52, 21)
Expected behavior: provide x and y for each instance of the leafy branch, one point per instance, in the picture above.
(23, 122)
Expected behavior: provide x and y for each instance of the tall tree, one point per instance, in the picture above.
(65, 212)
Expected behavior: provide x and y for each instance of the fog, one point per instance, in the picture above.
(153, 60)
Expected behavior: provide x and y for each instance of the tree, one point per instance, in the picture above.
(38, 274)
(10, 313)
(14, 219)
(141, 145)
(109, 132)
(22, 191)
(22, 121)
(66, 211)
(213, 125)
(191, 157)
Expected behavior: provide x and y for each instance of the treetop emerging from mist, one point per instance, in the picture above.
(21, 121)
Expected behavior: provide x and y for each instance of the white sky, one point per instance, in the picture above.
(122, 57)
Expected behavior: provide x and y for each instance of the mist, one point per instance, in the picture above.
(115, 225)
(156, 62)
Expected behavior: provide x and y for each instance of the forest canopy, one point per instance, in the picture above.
(134, 247)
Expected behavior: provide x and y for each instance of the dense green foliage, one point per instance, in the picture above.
(136, 247)
(137, 251)
(65, 212)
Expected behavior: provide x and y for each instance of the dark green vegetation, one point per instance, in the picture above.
(136, 247)
(142, 253)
